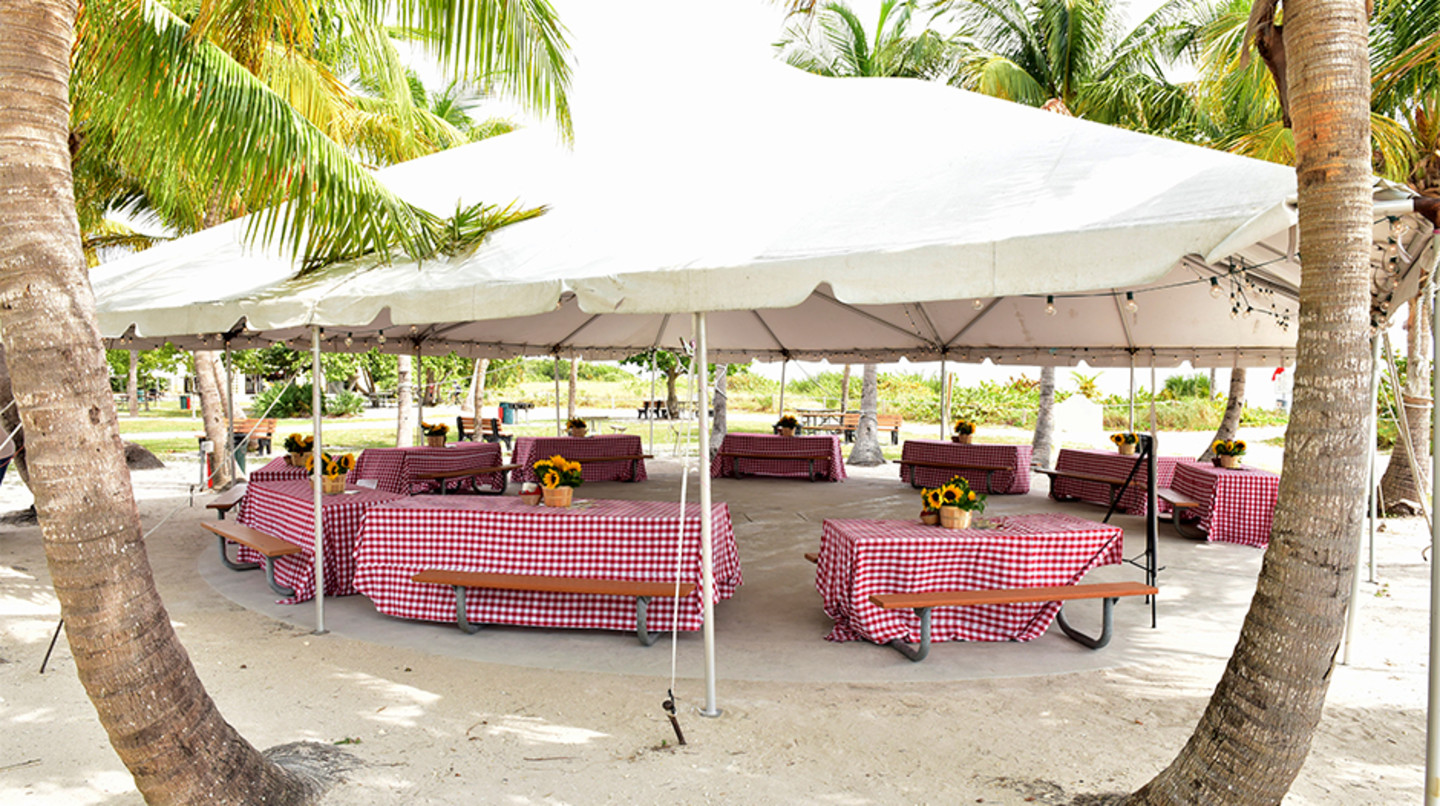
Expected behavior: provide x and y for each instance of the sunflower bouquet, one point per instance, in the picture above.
(332, 470)
(1125, 441)
(557, 471)
(1228, 452)
(575, 422)
(957, 497)
(964, 428)
(435, 429)
(788, 421)
(296, 443)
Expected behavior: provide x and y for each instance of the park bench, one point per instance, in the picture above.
(811, 459)
(642, 591)
(268, 546)
(491, 430)
(988, 470)
(471, 472)
(652, 410)
(258, 432)
(850, 422)
(226, 501)
(922, 603)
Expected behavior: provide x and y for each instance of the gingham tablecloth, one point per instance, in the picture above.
(1115, 465)
(776, 449)
(629, 540)
(277, 469)
(529, 450)
(1005, 482)
(286, 509)
(394, 469)
(1236, 506)
(859, 558)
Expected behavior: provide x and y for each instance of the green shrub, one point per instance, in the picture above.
(293, 400)
(345, 404)
(1179, 387)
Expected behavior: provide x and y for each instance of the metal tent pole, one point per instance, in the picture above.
(650, 411)
(944, 401)
(417, 379)
(317, 380)
(783, 362)
(556, 373)
(1350, 612)
(1131, 428)
(230, 413)
(707, 559)
(1432, 705)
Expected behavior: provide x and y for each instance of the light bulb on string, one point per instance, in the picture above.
(979, 304)
(380, 339)
(1049, 306)
(349, 340)
(1215, 290)
(1130, 302)
(1246, 312)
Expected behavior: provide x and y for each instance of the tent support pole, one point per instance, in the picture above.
(649, 407)
(1372, 425)
(1131, 428)
(417, 379)
(783, 362)
(944, 400)
(230, 413)
(707, 560)
(556, 373)
(317, 398)
(1402, 418)
(1432, 706)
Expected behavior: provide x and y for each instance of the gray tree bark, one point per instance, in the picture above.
(1042, 448)
(845, 388)
(1399, 488)
(404, 402)
(718, 424)
(132, 384)
(866, 451)
(477, 387)
(574, 384)
(10, 420)
(1234, 407)
(212, 413)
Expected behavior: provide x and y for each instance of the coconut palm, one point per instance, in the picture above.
(836, 44)
(1256, 731)
(210, 122)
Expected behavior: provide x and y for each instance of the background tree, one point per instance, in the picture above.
(1042, 447)
(866, 451)
(1234, 408)
(835, 43)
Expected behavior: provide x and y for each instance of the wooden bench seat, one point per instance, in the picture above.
(850, 422)
(810, 458)
(471, 472)
(642, 591)
(633, 458)
(259, 433)
(491, 430)
(988, 470)
(226, 501)
(813, 556)
(922, 603)
(1178, 504)
(268, 546)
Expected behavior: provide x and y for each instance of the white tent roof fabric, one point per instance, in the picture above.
(856, 219)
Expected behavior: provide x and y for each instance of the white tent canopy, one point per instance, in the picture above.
(855, 219)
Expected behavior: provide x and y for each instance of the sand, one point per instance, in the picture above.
(533, 716)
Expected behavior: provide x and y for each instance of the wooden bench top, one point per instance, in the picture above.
(465, 472)
(628, 458)
(954, 465)
(268, 545)
(550, 584)
(1066, 474)
(737, 455)
(227, 500)
(1057, 593)
(1176, 499)
(813, 556)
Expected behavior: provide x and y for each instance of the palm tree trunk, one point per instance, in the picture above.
(1234, 407)
(845, 388)
(867, 438)
(155, 710)
(404, 403)
(1399, 488)
(212, 412)
(132, 384)
(1042, 448)
(574, 383)
(10, 421)
(718, 426)
(1255, 733)
(477, 387)
(672, 398)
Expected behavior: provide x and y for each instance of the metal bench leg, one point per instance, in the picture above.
(812, 469)
(231, 564)
(460, 620)
(270, 578)
(1186, 531)
(913, 653)
(642, 605)
(634, 470)
(1082, 638)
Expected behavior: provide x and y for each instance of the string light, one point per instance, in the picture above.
(979, 304)
(1049, 306)
(380, 339)
(1215, 289)
(349, 340)
(1130, 302)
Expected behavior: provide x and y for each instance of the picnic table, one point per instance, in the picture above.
(1112, 465)
(603, 457)
(786, 457)
(397, 470)
(632, 540)
(932, 462)
(1236, 505)
(278, 469)
(861, 558)
(286, 509)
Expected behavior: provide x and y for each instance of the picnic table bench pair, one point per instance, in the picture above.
(850, 423)
(1179, 503)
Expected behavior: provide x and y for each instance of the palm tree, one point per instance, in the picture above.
(1256, 731)
(842, 48)
(203, 116)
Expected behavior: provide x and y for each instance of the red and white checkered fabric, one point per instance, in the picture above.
(394, 469)
(529, 450)
(286, 509)
(860, 558)
(1236, 506)
(776, 449)
(278, 469)
(1004, 482)
(629, 540)
(1114, 465)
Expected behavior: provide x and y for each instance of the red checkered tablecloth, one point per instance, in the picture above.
(286, 509)
(278, 469)
(776, 449)
(1114, 465)
(1004, 482)
(859, 558)
(629, 540)
(529, 450)
(1236, 506)
(394, 469)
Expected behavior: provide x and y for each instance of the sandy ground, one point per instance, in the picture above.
(533, 716)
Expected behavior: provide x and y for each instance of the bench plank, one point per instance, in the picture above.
(988, 470)
(1179, 502)
(226, 501)
(467, 472)
(268, 546)
(810, 458)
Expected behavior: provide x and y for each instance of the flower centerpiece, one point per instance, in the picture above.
(930, 504)
(332, 471)
(1125, 441)
(957, 503)
(558, 479)
(576, 427)
(298, 447)
(435, 434)
(964, 431)
(788, 426)
(1228, 451)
